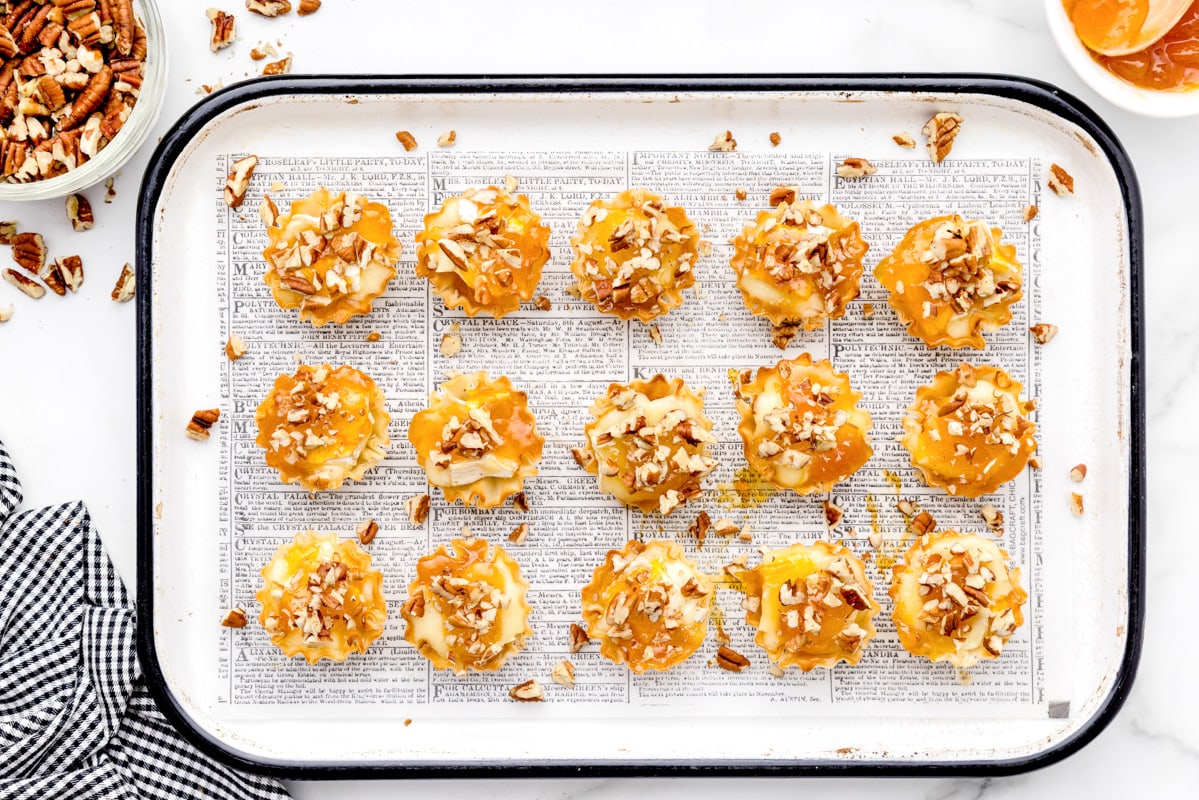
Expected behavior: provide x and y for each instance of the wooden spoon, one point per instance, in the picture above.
(1120, 27)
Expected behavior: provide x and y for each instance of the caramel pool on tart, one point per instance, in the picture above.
(483, 251)
(467, 609)
(634, 254)
(968, 431)
(952, 280)
(798, 264)
(477, 440)
(801, 425)
(649, 443)
(648, 605)
(321, 599)
(323, 425)
(955, 598)
(330, 256)
(812, 605)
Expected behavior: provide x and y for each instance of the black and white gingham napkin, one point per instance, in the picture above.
(76, 720)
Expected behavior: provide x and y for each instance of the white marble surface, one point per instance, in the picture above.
(67, 367)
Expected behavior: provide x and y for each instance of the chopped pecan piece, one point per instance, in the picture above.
(307, 7)
(417, 508)
(280, 67)
(126, 285)
(71, 270)
(415, 605)
(1076, 504)
(407, 139)
(268, 8)
(238, 181)
(699, 528)
(451, 343)
(234, 618)
(725, 527)
(578, 637)
(775, 139)
(1030, 212)
(832, 514)
(782, 194)
(729, 659)
(79, 212)
(6, 312)
(374, 336)
(1060, 181)
(519, 533)
(367, 531)
(447, 139)
(583, 457)
(223, 29)
(199, 425)
(527, 692)
(724, 142)
(1078, 473)
(52, 276)
(922, 523)
(655, 333)
(90, 98)
(520, 502)
(235, 347)
(1043, 332)
(853, 595)
(781, 335)
(993, 517)
(740, 193)
(563, 674)
(542, 303)
(29, 251)
(8, 230)
(26, 285)
(904, 139)
(940, 130)
(268, 212)
(856, 168)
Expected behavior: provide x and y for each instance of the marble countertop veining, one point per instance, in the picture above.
(68, 369)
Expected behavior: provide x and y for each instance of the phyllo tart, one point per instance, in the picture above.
(956, 600)
(634, 254)
(467, 609)
(798, 264)
(323, 425)
(483, 251)
(477, 440)
(812, 605)
(649, 443)
(321, 599)
(330, 256)
(952, 280)
(801, 424)
(648, 605)
(968, 431)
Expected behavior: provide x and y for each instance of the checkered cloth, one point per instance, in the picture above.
(76, 720)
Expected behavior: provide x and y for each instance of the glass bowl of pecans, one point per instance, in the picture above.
(81, 86)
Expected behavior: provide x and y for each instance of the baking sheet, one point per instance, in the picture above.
(1078, 571)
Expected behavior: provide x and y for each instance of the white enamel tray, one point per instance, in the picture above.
(1084, 574)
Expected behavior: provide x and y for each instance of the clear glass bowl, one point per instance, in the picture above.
(131, 136)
